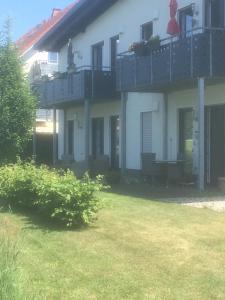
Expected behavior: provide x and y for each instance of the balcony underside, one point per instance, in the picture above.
(176, 65)
(75, 88)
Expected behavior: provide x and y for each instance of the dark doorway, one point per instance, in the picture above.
(71, 137)
(97, 52)
(97, 137)
(215, 13)
(115, 129)
(215, 143)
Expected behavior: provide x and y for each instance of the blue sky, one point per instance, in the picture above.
(27, 13)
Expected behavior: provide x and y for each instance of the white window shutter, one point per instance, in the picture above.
(147, 132)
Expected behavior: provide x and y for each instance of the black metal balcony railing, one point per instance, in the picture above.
(178, 60)
(75, 87)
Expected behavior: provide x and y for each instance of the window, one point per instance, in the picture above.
(53, 57)
(114, 50)
(146, 31)
(186, 21)
(97, 56)
(70, 137)
(147, 132)
(214, 13)
(97, 137)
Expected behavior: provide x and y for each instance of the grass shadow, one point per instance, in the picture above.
(36, 221)
(173, 193)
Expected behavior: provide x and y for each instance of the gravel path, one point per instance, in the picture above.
(214, 203)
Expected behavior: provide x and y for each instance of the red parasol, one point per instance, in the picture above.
(173, 27)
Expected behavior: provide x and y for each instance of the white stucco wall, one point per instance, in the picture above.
(30, 57)
(124, 18)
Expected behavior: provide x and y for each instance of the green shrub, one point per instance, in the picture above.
(55, 194)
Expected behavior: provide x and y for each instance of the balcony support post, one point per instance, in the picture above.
(54, 156)
(165, 126)
(64, 132)
(201, 134)
(87, 130)
(123, 132)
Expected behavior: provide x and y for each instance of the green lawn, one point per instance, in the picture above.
(138, 249)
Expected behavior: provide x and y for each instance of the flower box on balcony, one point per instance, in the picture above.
(144, 48)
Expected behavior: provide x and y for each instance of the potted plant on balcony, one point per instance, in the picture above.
(139, 48)
(153, 43)
(145, 47)
(60, 75)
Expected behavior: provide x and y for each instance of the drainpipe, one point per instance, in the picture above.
(64, 132)
(123, 132)
(201, 134)
(165, 126)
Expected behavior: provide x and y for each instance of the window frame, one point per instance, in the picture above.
(50, 61)
(114, 38)
(99, 44)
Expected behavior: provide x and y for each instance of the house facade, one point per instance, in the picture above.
(39, 64)
(116, 105)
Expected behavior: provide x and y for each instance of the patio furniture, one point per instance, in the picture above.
(149, 167)
(172, 170)
(175, 171)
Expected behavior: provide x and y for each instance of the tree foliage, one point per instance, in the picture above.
(17, 105)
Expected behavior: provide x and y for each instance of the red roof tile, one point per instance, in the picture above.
(35, 34)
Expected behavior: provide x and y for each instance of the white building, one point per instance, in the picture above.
(169, 102)
(37, 64)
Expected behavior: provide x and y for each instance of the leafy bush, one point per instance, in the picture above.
(58, 195)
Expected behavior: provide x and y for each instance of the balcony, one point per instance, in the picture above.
(74, 88)
(42, 68)
(177, 62)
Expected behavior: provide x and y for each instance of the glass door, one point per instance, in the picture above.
(215, 143)
(186, 21)
(186, 118)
